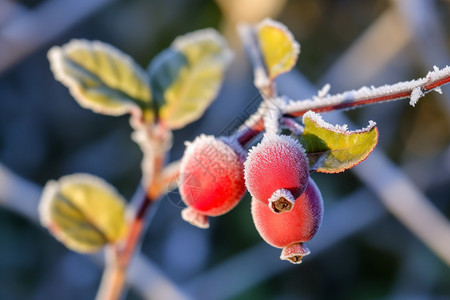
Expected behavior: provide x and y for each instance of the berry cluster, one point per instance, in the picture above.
(286, 204)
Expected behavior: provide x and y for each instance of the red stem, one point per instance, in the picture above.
(247, 134)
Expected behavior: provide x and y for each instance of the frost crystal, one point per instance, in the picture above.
(415, 96)
(324, 90)
(438, 89)
(336, 128)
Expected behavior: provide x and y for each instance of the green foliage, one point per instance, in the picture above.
(101, 78)
(82, 211)
(186, 78)
(333, 149)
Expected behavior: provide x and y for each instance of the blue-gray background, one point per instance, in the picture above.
(362, 252)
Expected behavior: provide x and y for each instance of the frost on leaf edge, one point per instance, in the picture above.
(52, 187)
(56, 56)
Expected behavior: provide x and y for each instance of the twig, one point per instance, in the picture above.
(154, 141)
(351, 99)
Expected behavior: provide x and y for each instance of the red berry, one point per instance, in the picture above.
(212, 178)
(290, 229)
(276, 172)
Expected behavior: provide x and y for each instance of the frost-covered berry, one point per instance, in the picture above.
(211, 178)
(290, 230)
(276, 172)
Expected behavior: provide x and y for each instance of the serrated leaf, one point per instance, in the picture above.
(278, 47)
(333, 149)
(83, 212)
(186, 78)
(101, 77)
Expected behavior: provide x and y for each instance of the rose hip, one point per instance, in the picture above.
(276, 172)
(211, 178)
(290, 230)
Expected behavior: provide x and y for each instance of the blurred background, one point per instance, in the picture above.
(385, 233)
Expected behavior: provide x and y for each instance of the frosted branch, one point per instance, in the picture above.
(413, 89)
(248, 39)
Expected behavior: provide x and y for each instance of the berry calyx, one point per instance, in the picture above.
(211, 179)
(276, 172)
(290, 230)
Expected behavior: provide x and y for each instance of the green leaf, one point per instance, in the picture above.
(83, 212)
(186, 78)
(101, 77)
(164, 71)
(333, 149)
(278, 47)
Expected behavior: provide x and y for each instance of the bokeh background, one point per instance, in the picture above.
(385, 233)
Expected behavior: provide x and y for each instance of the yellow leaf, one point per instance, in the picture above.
(278, 47)
(187, 77)
(100, 77)
(83, 212)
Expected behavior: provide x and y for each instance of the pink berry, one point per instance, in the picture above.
(276, 172)
(290, 230)
(211, 178)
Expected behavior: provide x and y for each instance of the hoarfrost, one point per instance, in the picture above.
(336, 128)
(324, 91)
(438, 89)
(415, 96)
(378, 94)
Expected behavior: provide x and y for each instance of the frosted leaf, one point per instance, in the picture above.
(333, 148)
(278, 47)
(83, 212)
(101, 77)
(415, 96)
(336, 128)
(186, 78)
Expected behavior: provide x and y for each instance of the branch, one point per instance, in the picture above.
(351, 99)
(154, 141)
(356, 98)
